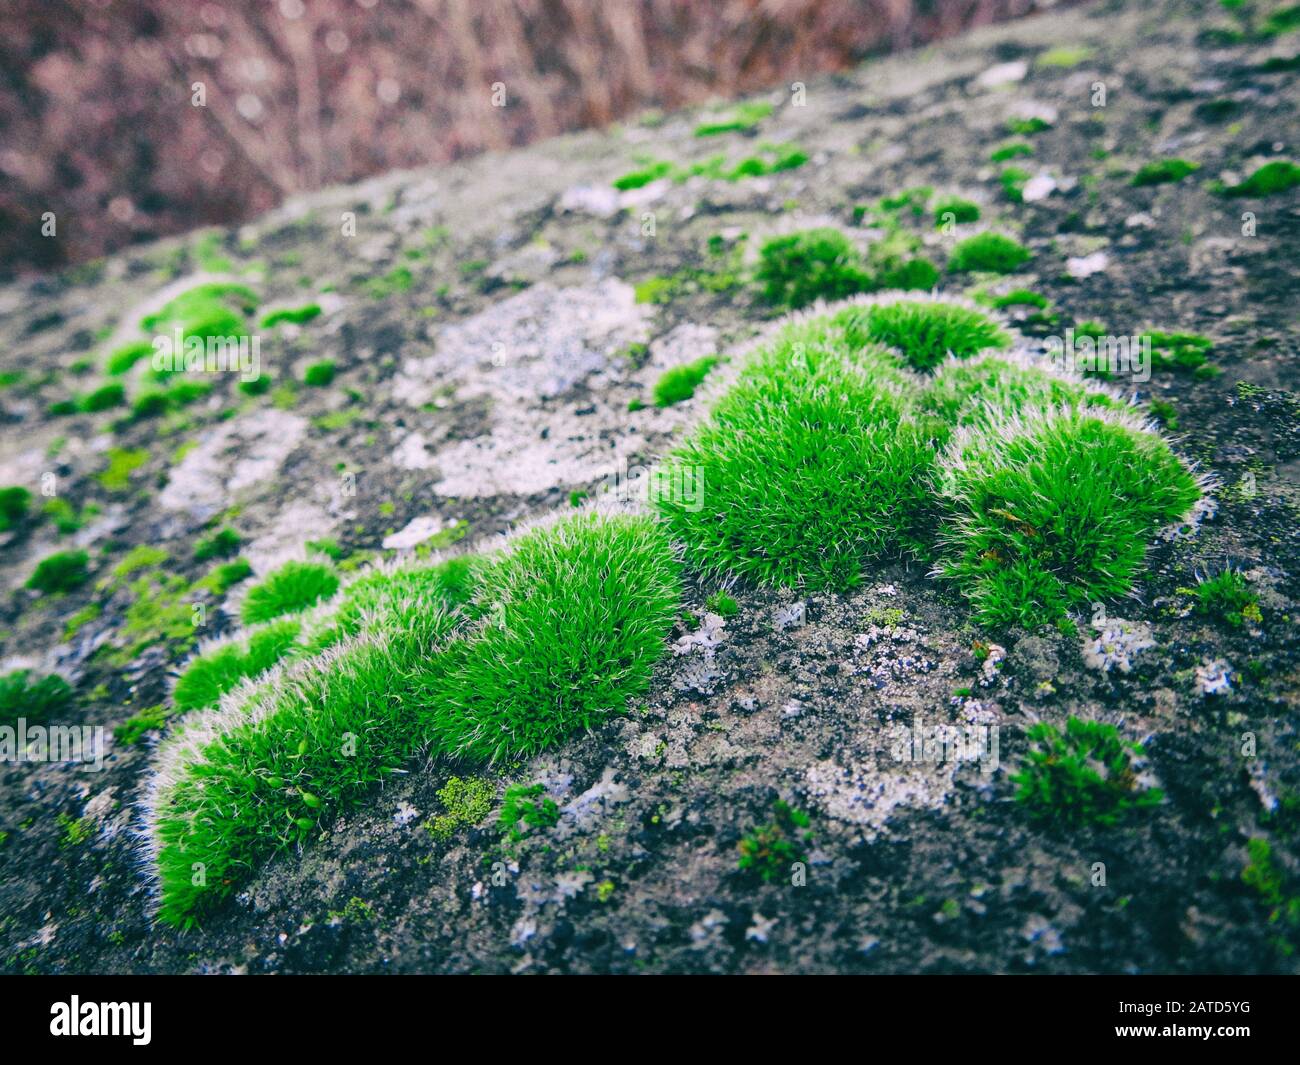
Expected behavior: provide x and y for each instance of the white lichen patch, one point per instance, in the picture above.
(300, 521)
(1214, 677)
(1116, 644)
(867, 795)
(699, 670)
(414, 532)
(233, 457)
(528, 356)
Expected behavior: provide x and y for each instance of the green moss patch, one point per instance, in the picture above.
(989, 252)
(1269, 180)
(23, 695)
(679, 383)
(291, 589)
(63, 571)
(1163, 171)
(923, 331)
(742, 119)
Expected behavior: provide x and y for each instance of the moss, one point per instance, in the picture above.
(136, 727)
(144, 556)
(527, 804)
(680, 382)
(103, 398)
(955, 209)
(1013, 180)
(1011, 150)
(123, 359)
(14, 503)
(466, 801)
(35, 700)
(258, 386)
(1052, 511)
(210, 675)
(398, 280)
(66, 518)
(1163, 171)
(224, 543)
(1027, 127)
(1183, 352)
(923, 331)
(84, 616)
(319, 374)
(798, 268)
(292, 315)
(769, 851)
(722, 604)
(1227, 597)
(1063, 57)
(851, 491)
(76, 831)
(121, 464)
(1081, 775)
(741, 120)
(63, 571)
(291, 589)
(990, 252)
(1278, 176)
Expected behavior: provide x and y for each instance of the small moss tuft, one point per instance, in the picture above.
(990, 252)
(319, 374)
(769, 851)
(798, 268)
(1228, 597)
(35, 700)
(1163, 171)
(63, 571)
(291, 589)
(1270, 179)
(679, 383)
(923, 331)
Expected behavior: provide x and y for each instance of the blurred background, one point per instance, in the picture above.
(98, 123)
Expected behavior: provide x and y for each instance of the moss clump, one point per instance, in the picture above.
(103, 398)
(216, 309)
(1027, 127)
(1013, 180)
(1228, 597)
(680, 382)
(742, 119)
(291, 589)
(224, 543)
(122, 462)
(826, 429)
(1182, 352)
(722, 604)
(1053, 510)
(955, 209)
(1270, 179)
(798, 268)
(319, 374)
(530, 805)
(1081, 775)
(923, 331)
(769, 851)
(136, 727)
(13, 506)
(1012, 150)
(292, 315)
(1063, 57)
(637, 179)
(210, 675)
(1163, 171)
(992, 387)
(123, 359)
(563, 628)
(35, 700)
(63, 571)
(990, 252)
(466, 802)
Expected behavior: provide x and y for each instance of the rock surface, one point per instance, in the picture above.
(488, 341)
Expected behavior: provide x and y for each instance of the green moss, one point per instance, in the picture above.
(990, 252)
(1052, 512)
(121, 464)
(212, 310)
(319, 374)
(722, 604)
(211, 674)
(742, 119)
(527, 804)
(399, 279)
(1163, 171)
(798, 268)
(144, 556)
(1027, 127)
(63, 571)
(292, 315)
(923, 331)
(827, 430)
(680, 382)
(84, 616)
(14, 502)
(1081, 775)
(1013, 180)
(1182, 352)
(34, 700)
(103, 398)
(1063, 56)
(637, 179)
(291, 589)
(150, 404)
(1270, 179)
(955, 209)
(136, 727)
(769, 851)
(76, 831)
(1227, 597)
(1011, 150)
(123, 359)
(466, 802)
(224, 543)
(258, 386)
